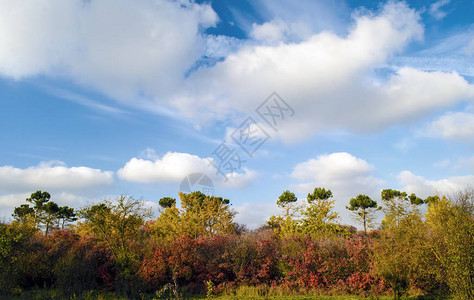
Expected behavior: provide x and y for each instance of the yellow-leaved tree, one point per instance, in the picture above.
(451, 239)
(198, 215)
(319, 214)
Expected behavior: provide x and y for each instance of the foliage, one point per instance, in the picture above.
(45, 213)
(451, 225)
(397, 206)
(199, 215)
(319, 215)
(287, 202)
(117, 223)
(13, 239)
(363, 208)
(195, 250)
(167, 202)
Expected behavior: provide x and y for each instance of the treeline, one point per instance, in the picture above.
(197, 248)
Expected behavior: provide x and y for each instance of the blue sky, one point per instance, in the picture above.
(102, 98)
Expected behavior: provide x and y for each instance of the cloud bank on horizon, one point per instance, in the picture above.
(355, 71)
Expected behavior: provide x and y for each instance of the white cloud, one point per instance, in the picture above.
(304, 17)
(148, 153)
(341, 172)
(254, 214)
(141, 54)
(277, 31)
(274, 31)
(328, 79)
(53, 176)
(79, 99)
(175, 166)
(121, 47)
(172, 167)
(344, 174)
(452, 125)
(435, 9)
(412, 183)
(9, 201)
(238, 180)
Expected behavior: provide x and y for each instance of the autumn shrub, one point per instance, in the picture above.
(39, 265)
(170, 262)
(334, 265)
(255, 258)
(363, 279)
(14, 249)
(225, 260)
(87, 265)
(213, 262)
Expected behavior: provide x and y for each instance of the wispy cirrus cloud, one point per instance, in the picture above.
(436, 11)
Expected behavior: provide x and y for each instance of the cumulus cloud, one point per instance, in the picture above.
(175, 166)
(9, 201)
(423, 187)
(53, 176)
(341, 172)
(255, 214)
(452, 125)
(148, 54)
(238, 180)
(172, 167)
(328, 79)
(123, 48)
(344, 174)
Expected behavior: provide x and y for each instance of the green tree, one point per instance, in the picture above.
(167, 202)
(363, 209)
(287, 202)
(22, 213)
(319, 213)
(50, 216)
(45, 213)
(414, 202)
(286, 224)
(398, 205)
(39, 200)
(66, 215)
